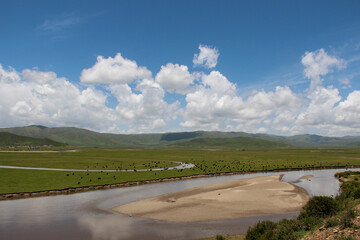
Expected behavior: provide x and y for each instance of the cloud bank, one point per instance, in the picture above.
(198, 100)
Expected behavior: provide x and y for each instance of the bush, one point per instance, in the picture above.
(320, 206)
(261, 231)
(220, 237)
(347, 217)
(332, 222)
(357, 193)
(286, 230)
(308, 222)
(350, 189)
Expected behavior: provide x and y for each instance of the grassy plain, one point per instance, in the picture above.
(207, 162)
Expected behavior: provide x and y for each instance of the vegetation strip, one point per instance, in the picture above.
(181, 166)
(71, 190)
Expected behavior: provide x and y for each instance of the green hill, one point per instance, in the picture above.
(9, 139)
(234, 143)
(86, 138)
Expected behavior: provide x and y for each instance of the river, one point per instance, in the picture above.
(88, 215)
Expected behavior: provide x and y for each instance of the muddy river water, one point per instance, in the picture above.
(88, 215)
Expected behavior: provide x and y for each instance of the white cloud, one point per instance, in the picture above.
(43, 98)
(59, 22)
(9, 76)
(345, 82)
(216, 106)
(144, 111)
(39, 77)
(207, 57)
(319, 111)
(330, 115)
(219, 83)
(210, 101)
(318, 64)
(174, 78)
(114, 70)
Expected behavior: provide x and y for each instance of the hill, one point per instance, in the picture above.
(9, 139)
(86, 138)
(234, 143)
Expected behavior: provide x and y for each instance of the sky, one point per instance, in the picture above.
(275, 67)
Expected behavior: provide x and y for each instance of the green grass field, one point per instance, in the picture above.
(207, 161)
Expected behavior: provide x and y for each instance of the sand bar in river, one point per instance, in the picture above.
(228, 200)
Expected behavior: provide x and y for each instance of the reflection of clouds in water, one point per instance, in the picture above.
(106, 227)
(322, 184)
(120, 227)
(41, 210)
(32, 210)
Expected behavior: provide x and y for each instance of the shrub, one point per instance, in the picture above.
(357, 193)
(261, 231)
(308, 222)
(320, 206)
(349, 189)
(332, 222)
(220, 237)
(347, 217)
(286, 230)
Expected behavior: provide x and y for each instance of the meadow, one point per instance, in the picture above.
(208, 161)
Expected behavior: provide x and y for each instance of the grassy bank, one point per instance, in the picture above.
(207, 162)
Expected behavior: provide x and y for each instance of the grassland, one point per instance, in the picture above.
(207, 162)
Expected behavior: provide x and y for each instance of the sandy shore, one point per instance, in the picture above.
(233, 199)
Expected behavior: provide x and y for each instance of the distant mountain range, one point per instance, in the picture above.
(199, 139)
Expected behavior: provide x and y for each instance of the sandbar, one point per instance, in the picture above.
(248, 197)
(305, 177)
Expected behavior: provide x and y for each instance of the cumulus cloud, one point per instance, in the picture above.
(43, 98)
(40, 77)
(207, 57)
(8, 76)
(216, 106)
(329, 114)
(209, 102)
(174, 78)
(114, 70)
(319, 63)
(144, 111)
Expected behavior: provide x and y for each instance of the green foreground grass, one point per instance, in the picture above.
(207, 162)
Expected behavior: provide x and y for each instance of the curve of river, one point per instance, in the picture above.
(180, 166)
(88, 215)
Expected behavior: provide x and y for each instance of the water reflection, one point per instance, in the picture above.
(88, 215)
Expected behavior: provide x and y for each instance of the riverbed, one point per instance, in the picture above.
(88, 215)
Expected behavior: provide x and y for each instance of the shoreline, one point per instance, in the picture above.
(249, 197)
(72, 190)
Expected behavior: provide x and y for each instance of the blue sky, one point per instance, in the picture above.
(281, 67)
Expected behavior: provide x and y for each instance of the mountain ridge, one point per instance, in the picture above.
(87, 138)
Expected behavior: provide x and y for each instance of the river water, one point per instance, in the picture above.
(88, 215)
